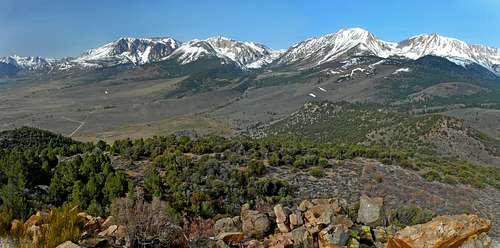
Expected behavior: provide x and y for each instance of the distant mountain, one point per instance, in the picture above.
(231, 51)
(356, 41)
(312, 52)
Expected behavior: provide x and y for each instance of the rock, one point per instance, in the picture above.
(481, 241)
(343, 220)
(84, 216)
(282, 227)
(252, 244)
(231, 237)
(333, 202)
(320, 214)
(302, 238)
(255, 224)
(296, 219)
(442, 231)
(370, 211)
(108, 222)
(68, 244)
(281, 214)
(108, 232)
(380, 234)
(280, 240)
(313, 229)
(228, 225)
(92, 225)
(333, 236)
(305, 205)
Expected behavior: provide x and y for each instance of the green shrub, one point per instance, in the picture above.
(317, 171)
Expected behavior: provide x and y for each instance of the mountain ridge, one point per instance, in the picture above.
(251, 55)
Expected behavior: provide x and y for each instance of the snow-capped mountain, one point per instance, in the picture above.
(455, 50)
(249, 55)
(240, 53)
(315, 51)
(129, 50)
(28, 63)
(357, 41)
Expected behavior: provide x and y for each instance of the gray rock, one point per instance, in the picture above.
(370, 210)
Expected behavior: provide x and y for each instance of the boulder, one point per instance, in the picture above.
(231, 238)
(255, 224)
(296, 219)
(68, 244)
(370, 210)
(302, 238)
(442, 231)
(333, 236)
(343, 220)
(228, 225)
(320, 214)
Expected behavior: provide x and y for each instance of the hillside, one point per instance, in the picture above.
(346, 123)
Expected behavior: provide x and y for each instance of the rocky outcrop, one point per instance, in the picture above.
(254, 223)
(444, 231)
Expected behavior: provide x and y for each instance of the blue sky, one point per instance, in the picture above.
(56, 28)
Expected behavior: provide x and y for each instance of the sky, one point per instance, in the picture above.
(59, 28)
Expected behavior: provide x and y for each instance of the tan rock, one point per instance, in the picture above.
(280, 240)
(296, 219)
(343, 220)
(253, 244)
(108, 222)
(320, 214)
(255, 224)
(121, 232)
(108, 232)
(280, 213)
(370, 210)
(442, 231)
(480, 241)
(68, 244)
(282, 227)
(305, 205)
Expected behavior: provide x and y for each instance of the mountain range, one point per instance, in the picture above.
(250, 55)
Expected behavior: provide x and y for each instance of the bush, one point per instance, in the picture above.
(147, 222)
(317, 171)
(63, 225)
(410, 215)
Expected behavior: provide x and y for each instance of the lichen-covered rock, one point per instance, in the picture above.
(302, 238)
(282, 227)
(442, 231)
(333, 236)
(280, 240)
(228, 225)
(370, 210)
